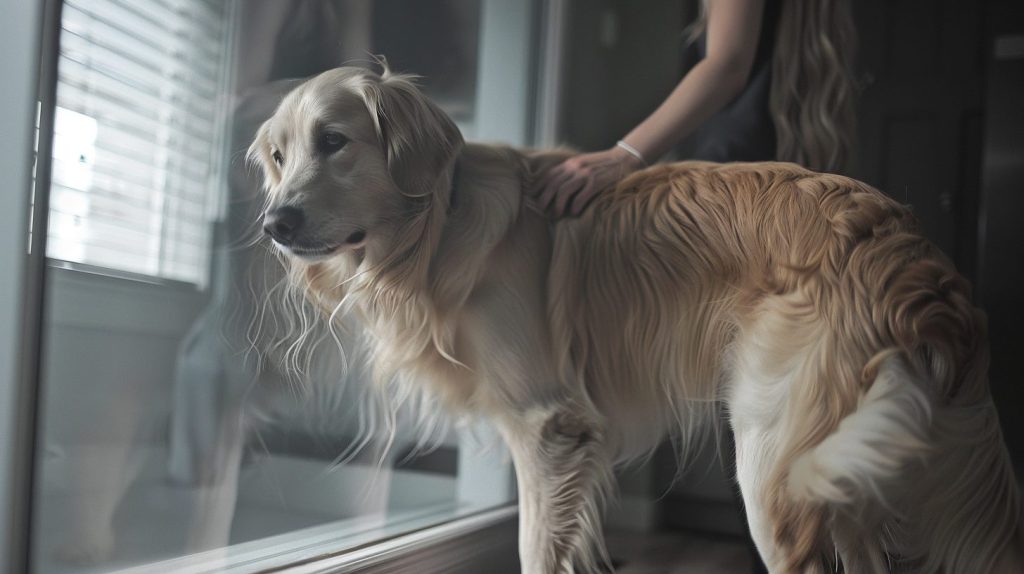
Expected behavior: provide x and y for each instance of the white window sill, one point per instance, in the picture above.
(364, 544)
(111, 302)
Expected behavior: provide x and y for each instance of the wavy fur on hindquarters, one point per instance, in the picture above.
(705, 247)
(875, 444)
(894, 433)
(932, 480)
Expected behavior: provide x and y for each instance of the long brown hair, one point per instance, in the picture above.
(812, 83)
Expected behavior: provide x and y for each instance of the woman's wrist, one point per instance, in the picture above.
(623, 144)
(635, 154)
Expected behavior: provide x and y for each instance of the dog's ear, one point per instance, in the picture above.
(420, 140)
(260, 155)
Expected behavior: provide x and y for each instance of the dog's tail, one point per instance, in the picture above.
(872, 445)
(962, 513)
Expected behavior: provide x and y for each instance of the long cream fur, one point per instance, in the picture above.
(844, 345)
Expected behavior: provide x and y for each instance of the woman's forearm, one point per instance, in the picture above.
(706, 89)
(733, 27)
(731, 33)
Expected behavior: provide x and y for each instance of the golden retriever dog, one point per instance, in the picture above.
(844, 345)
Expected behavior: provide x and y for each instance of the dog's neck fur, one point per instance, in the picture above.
(411, 292)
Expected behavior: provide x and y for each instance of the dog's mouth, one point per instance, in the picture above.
(308, 253)
(355, 240)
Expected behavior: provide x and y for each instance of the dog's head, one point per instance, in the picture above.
(349, 157)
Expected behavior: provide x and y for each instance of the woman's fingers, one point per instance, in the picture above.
(570, 178)
(570, 186)
(538, 187)
(557, 178)
(582, 199)
(567, 192)
(600, 181)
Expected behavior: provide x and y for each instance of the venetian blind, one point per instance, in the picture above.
(137, 153)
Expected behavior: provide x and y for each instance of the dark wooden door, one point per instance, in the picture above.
(920, 113)
(937, 105)
(1001, 241)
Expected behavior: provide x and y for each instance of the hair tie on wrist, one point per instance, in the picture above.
(632, 151)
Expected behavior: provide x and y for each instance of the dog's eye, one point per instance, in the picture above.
(278, 158)
(331, 142)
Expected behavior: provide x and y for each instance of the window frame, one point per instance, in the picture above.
(29, 39)
(446, 543)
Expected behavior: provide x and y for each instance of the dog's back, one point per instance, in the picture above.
(855, 369)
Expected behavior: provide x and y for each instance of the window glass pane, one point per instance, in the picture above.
(187, 428)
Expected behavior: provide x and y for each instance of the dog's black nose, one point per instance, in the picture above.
(283, 223)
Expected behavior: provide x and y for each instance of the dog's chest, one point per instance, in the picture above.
(419, 348)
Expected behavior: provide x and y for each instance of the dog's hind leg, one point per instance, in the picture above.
(564, 474)
(752, 451)
(755, 459)
(772, 362)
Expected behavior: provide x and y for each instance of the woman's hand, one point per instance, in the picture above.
(569, 187)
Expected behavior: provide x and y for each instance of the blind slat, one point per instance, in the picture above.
(115, 179)
(143, 75)
(95, 231)
(191, 228)
(114, 130)
(132, 196)
(103, 257)
(73, 96)
(89, 233)
(145, 32)
(122, 38)
(86, 79)
(150, 257)
(188, 15)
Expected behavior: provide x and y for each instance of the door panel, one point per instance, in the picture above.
(918, 65)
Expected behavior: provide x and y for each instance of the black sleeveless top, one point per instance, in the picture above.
(743, 130)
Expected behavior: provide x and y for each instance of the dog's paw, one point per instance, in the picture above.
(87, 549)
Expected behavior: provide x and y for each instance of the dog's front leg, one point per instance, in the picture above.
(564, 474)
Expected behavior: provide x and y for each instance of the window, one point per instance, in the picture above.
(171, 436)
(137, 147)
